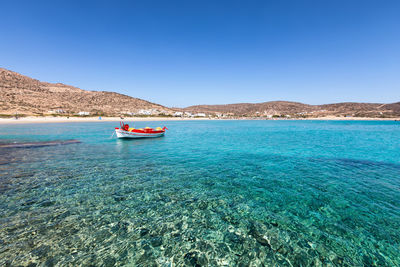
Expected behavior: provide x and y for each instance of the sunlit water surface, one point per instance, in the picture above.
(209, 193)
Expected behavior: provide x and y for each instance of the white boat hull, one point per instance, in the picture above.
(126, 134)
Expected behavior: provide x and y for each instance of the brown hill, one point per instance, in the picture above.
(24, 95)
(295, 109)
(272, 108)
(394, 107)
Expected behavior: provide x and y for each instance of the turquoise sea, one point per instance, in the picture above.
(209, 193)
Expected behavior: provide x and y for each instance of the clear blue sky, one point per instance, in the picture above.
(180, 53)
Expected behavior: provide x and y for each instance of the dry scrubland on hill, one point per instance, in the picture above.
(295, 109)
(19, 93)
(24, 95)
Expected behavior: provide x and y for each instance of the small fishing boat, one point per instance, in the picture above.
(127, 132)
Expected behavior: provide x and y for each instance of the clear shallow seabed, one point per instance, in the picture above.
(209, 193)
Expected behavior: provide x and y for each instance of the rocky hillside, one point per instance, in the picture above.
(273, 108)
(295, 109)
(24, 95)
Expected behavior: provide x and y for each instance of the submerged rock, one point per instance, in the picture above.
(47, 203)
(234, 238)
(119, 198)
(144, 232)
(41, 251)
(50, 262)
(109, 261)
(195, 259)
(256, 231)
(39, 144)
(156, 241)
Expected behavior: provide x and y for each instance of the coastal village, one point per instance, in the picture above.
(271, 115)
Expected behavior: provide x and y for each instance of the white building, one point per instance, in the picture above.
(200, 115)
(178, 114)
(83, 113)
(148, 112)
(144, 112)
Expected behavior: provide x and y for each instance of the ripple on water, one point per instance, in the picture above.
(195, 204)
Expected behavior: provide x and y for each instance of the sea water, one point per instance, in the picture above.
(209, 193)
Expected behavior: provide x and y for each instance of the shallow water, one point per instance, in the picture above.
(209, 193)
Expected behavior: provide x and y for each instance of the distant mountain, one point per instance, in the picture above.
(295, 109)
(24, 95)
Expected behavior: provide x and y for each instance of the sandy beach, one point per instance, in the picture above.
(50, 119)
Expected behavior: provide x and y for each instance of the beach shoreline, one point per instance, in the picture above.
(51, 119)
